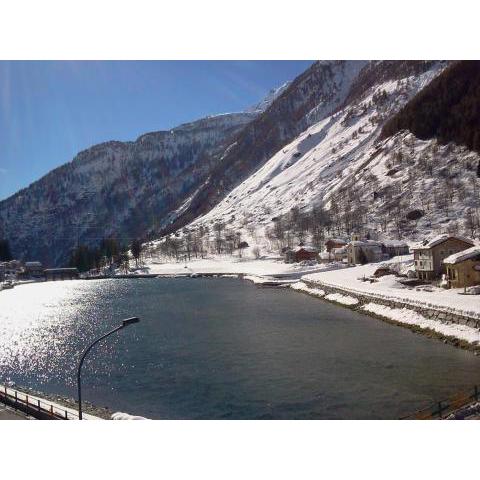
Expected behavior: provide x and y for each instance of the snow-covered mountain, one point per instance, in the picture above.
(324, 157)
(126, 189)
(399, 186)
(272, 95)
(318, 141)
(312, 96)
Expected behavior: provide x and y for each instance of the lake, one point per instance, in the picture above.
(221, 348)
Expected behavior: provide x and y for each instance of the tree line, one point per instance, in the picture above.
(5, 252)
(110, 252)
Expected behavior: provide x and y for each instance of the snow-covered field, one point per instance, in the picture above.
(388, 288)
(227, 264)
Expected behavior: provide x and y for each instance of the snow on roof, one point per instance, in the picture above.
(440, 239)
(33, 264)
(462, 256)
(365, 243)
(339, 250)
(306, 248)
(337, 240)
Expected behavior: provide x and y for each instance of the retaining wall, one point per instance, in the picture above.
(431, 313)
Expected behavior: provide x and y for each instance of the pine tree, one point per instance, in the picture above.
(136, 248)
(5, 252)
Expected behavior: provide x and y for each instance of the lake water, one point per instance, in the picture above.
(221, 348)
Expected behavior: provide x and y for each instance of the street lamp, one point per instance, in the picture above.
(125, 323)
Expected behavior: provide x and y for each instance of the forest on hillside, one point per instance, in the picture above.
(447, 109)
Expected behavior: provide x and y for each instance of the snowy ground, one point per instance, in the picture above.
(267, 267)
(388, 288)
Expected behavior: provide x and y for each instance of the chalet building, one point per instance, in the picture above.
(61, 273)
(394, 248)
(365, 251)
(463, 268)
(333, 243)
(33, 270)
(430, 254)
(301, 253)
(340, 254)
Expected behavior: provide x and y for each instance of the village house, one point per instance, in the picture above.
(365, 251)
(430, 254)
(394, 248)
(463, 268)
(33, 270)
(333, 243)
(301, 253)
(61, 273)
(340, 254)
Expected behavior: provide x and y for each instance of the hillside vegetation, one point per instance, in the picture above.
(448, 109)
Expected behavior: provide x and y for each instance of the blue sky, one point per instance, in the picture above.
(49, 111)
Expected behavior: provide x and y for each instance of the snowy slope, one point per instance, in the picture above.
(339, 157)
(312, 96)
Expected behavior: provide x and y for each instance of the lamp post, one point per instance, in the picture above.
(125, 323)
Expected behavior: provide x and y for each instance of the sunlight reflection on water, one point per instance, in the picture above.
(221, 348)
(42, 324)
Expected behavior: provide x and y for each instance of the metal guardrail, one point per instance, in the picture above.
(34, 406)
(443, 408)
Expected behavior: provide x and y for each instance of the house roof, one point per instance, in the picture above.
(306, 249)
(33, 264)
(337, 240)
(62, 270)
(440, 239)
(365, 243)
(462, 256)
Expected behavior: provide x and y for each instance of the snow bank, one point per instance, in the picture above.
(409, 317)
(126, 416)
(302, 287)
(258, 280)
(344, 299)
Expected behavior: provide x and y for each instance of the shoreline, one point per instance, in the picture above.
(357, 306)
(340, 297)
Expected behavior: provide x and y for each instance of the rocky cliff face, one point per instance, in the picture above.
(122, 188)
